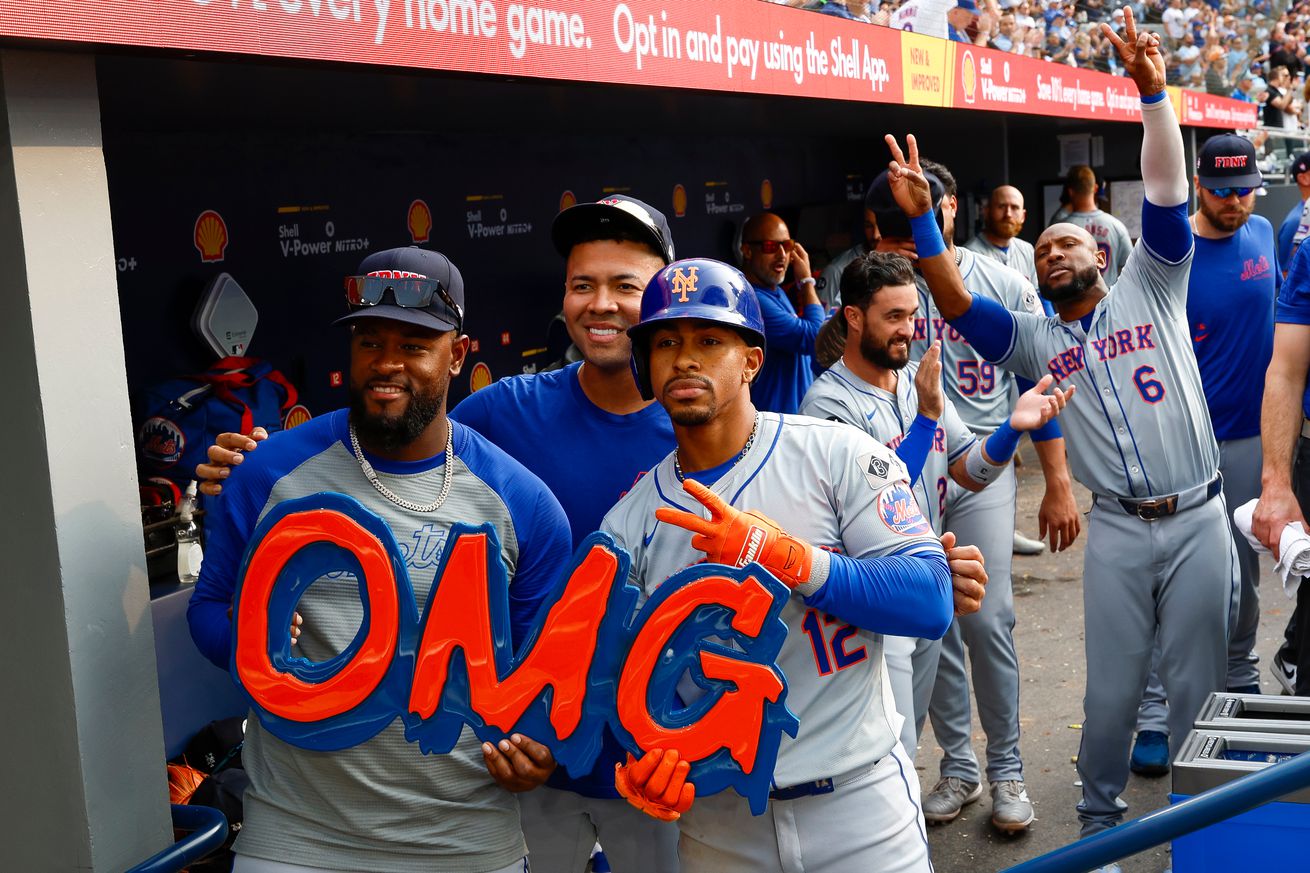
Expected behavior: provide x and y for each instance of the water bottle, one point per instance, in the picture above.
(189, 553)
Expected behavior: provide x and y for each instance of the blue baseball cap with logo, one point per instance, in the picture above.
(1228, 161)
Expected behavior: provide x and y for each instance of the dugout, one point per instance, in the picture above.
(115, 141)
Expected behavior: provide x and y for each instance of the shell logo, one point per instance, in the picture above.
(766, 194)
(969, 77)
(210, 236)
(296, 415)
(679, 201)
(566, 200)
(419, 220)
(480, 377)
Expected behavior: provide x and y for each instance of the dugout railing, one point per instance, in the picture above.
(1164, 825)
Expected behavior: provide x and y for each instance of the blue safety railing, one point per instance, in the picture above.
(1167, 824)
(208, 830)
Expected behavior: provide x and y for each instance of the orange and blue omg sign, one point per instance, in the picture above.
(590, 659)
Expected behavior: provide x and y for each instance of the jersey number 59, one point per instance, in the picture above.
(976, 377)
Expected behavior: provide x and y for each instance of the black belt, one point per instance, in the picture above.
(1163, 507)
(805, 789)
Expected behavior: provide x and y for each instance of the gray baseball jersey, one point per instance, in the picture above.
(840, 395)
(1139, 426)
(978, 388)
(1111, 238)
(836, 488)
(830, 293)
(1018, 255)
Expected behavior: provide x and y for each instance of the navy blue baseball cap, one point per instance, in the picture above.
(413, 285)
(616, 213)
(892, 221)
(1228, 160)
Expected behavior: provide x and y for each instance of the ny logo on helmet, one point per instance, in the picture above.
(684, 283)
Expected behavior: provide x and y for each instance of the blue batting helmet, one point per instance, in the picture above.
(697, 288)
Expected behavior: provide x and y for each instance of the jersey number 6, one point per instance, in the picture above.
(1150, 389)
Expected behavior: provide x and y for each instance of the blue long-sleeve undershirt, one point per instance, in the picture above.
(905, 595)
(914, 448)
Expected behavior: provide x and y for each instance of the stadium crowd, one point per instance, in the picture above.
(1252, 50)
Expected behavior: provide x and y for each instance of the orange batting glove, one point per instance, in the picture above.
(730, 536)
(657, 784)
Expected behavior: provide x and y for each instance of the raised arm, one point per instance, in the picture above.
(1164, 170)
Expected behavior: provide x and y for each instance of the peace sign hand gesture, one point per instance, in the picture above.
(1140, 53)
(909, 185)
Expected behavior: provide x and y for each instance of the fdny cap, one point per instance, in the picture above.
(1227, 161)
(617, 213)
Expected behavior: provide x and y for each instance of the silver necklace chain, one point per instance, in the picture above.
(372, 476)
(750, 441)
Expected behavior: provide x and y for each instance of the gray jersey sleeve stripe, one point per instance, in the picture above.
(1153, 253)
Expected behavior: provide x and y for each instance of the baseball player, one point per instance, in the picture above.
(829, 286)
(1230, 307)
(380, 805)
(859, 555)
(612, 248)
(1109, 232)
(1159, 555)
(981, 392)
(866, 389)
(1003, 218)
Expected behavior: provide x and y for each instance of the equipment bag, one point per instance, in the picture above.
(182, 417)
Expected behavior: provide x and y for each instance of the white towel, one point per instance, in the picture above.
(1293, 548)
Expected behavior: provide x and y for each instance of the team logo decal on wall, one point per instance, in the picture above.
(210, 236)
(419, 220)
(480, 377)
(679, 201)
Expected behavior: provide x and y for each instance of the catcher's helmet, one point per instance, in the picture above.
(697, 288)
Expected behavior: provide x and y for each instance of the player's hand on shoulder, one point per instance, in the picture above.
(905, 176)
(226, 453)
(1276, 509)
(968, 575)
(1035, 407)
(518, 763)
(928, 383)
(656, 784)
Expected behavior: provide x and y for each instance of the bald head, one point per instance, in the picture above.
(765, 250)
(1005, 215)
(1068, 264)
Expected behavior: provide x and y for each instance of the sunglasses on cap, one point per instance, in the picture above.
(1223, 193)
(771, 246)
(408, 293)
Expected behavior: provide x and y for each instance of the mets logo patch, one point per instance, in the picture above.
(161, 441)
(899, 511)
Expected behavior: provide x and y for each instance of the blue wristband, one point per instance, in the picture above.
(1154, 98)
(1001, 444)
(927, 235)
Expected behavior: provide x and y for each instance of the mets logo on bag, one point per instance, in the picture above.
(161, 441)
(683, 282)
(899, 511)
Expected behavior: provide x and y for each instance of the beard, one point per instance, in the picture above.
(1074, 288)
(1007, 229)
(1226, 221)
(880, 354)
(391, 432)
